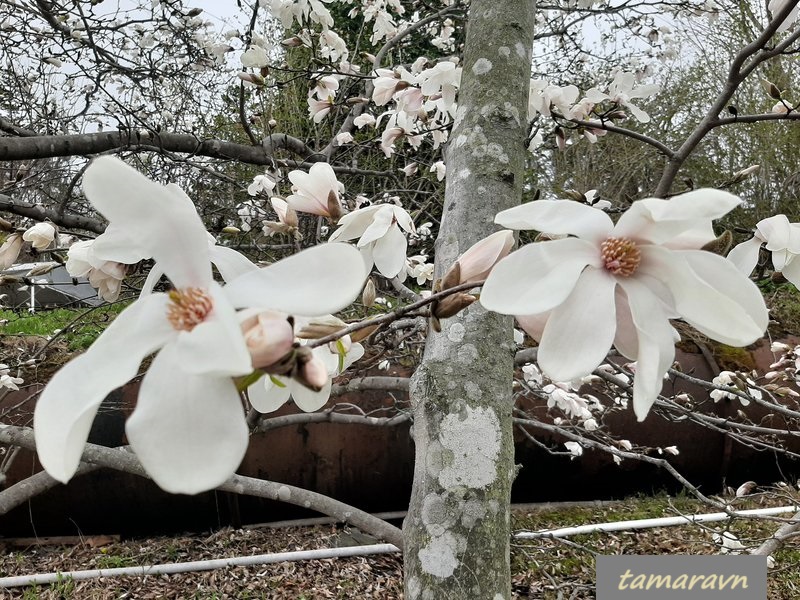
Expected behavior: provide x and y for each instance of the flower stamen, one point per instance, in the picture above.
(621, 256)
(189, 308)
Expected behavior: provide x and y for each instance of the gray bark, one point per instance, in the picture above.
(457, 532)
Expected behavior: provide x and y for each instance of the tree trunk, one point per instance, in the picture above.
(457, 532)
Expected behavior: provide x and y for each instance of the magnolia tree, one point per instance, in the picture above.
(392, 97)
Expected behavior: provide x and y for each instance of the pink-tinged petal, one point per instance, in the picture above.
(626, 339)
(160, 220)
(558, 217)
(537, 277)
(230, 263)
(266, 396)
(745, 255)
(382, 221)
(680, 222)
(216, 346)
(188, 431)
(389, 252)
(318, 281)
(307, 399)
(579, 332)
(479, 259)
(307, 205)
(354, 224)
(533, 325)
(656, 345)
(709, 293)
(67, 406)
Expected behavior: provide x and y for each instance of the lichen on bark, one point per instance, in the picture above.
(457, 532)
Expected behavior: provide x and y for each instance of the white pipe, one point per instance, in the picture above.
(648, 523)
(263, 559)
(200, 565)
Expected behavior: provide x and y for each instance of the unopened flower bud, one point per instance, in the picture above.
(6, 225)
(369, 293)
(253, 78)
(292, 42)
(452, 305)
(771, 89)
(476, 263)
(269, 337)
(231, 230)
(321, 327)
(720, 245)
(9, 251)
(272, 123)
(575, 195)
(356, 100)
(311, 371)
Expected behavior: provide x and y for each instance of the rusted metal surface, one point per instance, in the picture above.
(371, 467)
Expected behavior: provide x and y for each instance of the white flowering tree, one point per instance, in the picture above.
(453, 92)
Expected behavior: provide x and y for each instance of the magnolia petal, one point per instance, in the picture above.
(230, 263)
(558, 217)
(162, 221)
(723, 277)
(307, 399)
(318, 281)
(791, 270)
(403, 219)
(580, 331)
(656, 345)
(216, 346)
(354, 224)
(744, 256)
(683, 221)
(188, 431)
(479, 259)
(67, 406)
(382, 221)
(307, 205)
(115, 246)
(389, 252)
(533, 325)
(776, 231)
(153, 277)
(537, 277)
(626, 339)
(266, 396)
(709, 293)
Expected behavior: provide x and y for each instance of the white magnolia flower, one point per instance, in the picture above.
(622, 90)
(363, 120)
(544, 96)
(40, 235)
(575, 448)
(443, 78)
(261, 183)
(781, 238)
(255, 57)
(379, 237)
(104, 275)
(317, 192)
(440, 169)
(620, 284)
(188, 428)
(7, 380)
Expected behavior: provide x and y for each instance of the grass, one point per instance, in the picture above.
(79, 326)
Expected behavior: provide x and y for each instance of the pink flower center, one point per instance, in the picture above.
(620, 256)
(189, 308)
